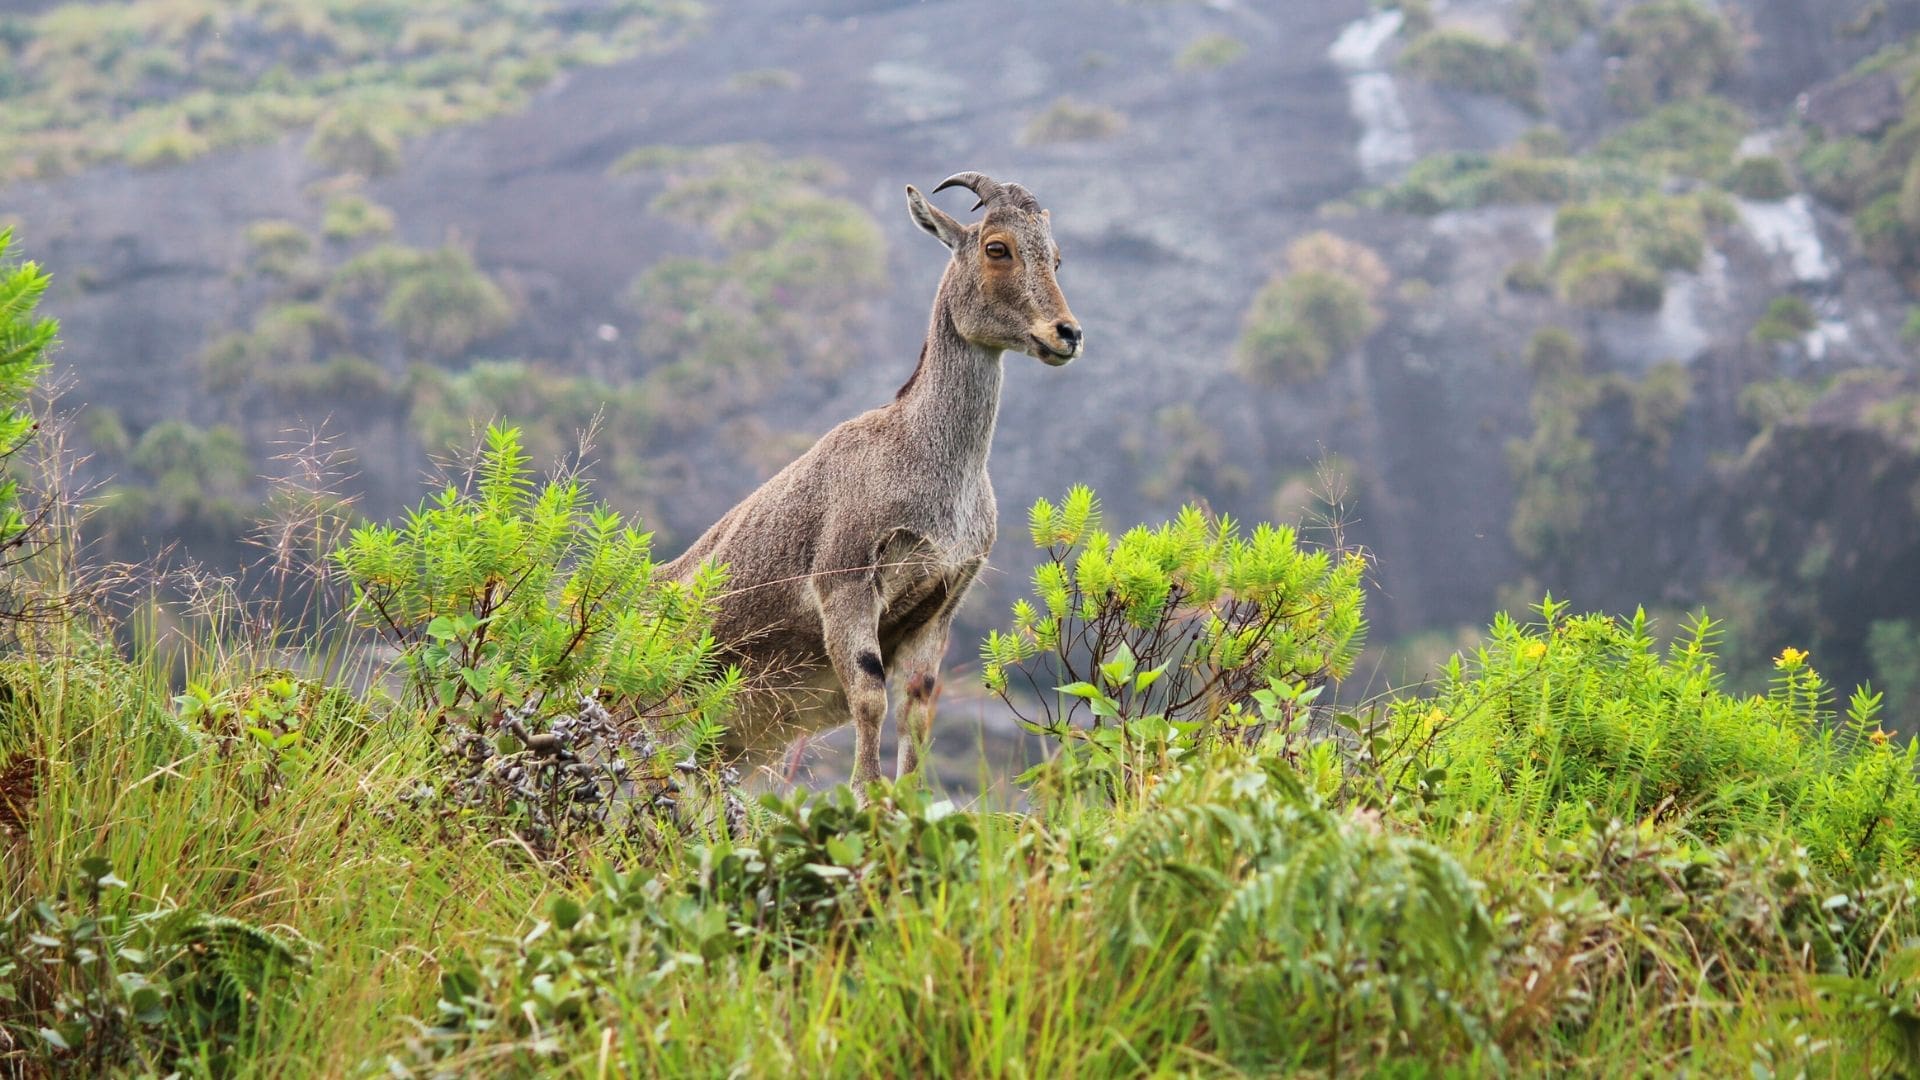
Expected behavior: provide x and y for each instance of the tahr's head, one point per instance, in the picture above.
(1000, 288)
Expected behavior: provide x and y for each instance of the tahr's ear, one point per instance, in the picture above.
(933, 219)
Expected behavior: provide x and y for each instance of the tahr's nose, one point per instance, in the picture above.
(1069, 334)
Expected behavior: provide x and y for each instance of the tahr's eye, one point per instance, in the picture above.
(998, 250)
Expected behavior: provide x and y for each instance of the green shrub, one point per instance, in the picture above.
(170, 146)
(1885, 236)
(1768, 402)
(186, 482)
(1183, 454)
(353, 141)
(449, 410)
(1462, 180)
(340, 379)
(1668, 50)
(799, 268)
(1310, 927)
(281, 249)
(1788, 318)
(1908, 204)
(1553, 468)
(1137, 645)
(1556, 24)
(509, 592)
(286, 336)
(1612, 280)
(442, 303)
(1554, 353)
(1838, 170)
(1610, 252)
(817, 869)
(1068, 120)
(1298, 323)
(1516, 179)
(1528, 276)
(1659, 403)
(1580, 719)
(179, 456)
(159, 81)
(1466, 61)
(1761, 177)
(1416, 18)
(106, 432)
(1321, 308)
(350, 217)
(1210, 52)
(100, 982)
(1695, 137)
(25, 338)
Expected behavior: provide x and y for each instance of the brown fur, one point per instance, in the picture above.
(864, 546)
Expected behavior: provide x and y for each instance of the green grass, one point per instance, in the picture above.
(1575, 854)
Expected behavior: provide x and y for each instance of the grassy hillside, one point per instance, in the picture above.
(157, 82)
(512, 852)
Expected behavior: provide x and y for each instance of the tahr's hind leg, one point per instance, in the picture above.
(913, 715)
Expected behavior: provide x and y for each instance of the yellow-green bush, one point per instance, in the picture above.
(1668, 50)
(1069, 120)
(1319, 309)
(1210, 52)
(1464, 60)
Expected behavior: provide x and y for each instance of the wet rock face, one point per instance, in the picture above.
(1863, 105)
(1796, 44)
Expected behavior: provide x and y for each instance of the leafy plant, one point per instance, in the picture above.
(798, 269)
(504, 592)
(1320, 308)
(1464, 60)
(350, 216)
(1578, 717)
(441, 303)
(88, 985)
(1610, 253)
(815, 868)
(24, 340)
(509, 600)
(1313, 929)
(1556, 24)
(1788, 318)
(1139, 645)
(1760, 176)
(1068, 120)
(265, 726)
(1668, 49)
(1695, 137)
(1210, 52)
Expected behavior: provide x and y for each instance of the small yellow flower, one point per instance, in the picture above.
(1535, 650)
(1790, 659)
(1878, 736)
(1435, 718)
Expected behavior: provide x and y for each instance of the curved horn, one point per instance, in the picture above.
(982, 185)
